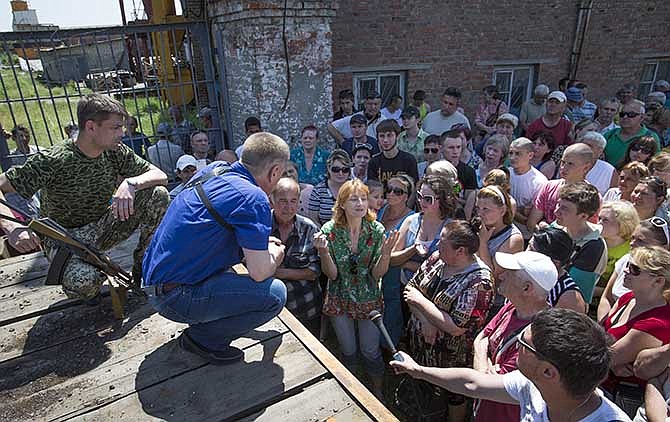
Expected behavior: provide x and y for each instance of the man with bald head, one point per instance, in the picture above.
(618, 140)
(576, 162)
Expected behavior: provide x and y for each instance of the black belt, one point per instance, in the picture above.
(159, 289)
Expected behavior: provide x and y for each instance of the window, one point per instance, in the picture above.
(515, 85)
(387, 84)
(653, 71)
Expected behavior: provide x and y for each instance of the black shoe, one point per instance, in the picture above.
(227, 356)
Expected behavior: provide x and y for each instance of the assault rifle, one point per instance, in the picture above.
(54, 231)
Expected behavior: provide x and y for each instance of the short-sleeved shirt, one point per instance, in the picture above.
(303, 297)
(321, 201)
(616, 148)
(534, 408)
(343, 125)
(414, 148)
(348, 145)
(382, 169)
(176, 253)
(561, 130)
(317, 173)
(503, 351)
(75, 189)
(584, 111)
(435, 123)
(565, 283)
(547, 198)
(355, 293)
(525, 187)
(588, 262)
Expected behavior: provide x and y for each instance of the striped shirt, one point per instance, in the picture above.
(321, 200)
(563, 284)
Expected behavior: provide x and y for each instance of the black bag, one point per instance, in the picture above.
(629, 397)
(421, 401)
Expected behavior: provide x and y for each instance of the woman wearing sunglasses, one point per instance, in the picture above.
(354, 256)
(641, 149)
(648, 198)
(629, 177)
(652, 232)
(322, 198)
(420, 233)
(450, 297)
(639, 320)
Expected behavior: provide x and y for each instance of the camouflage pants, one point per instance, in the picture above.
(82, 280)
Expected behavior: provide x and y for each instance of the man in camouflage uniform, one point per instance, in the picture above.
(79, 184)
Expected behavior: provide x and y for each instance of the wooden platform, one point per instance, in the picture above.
(61, 360)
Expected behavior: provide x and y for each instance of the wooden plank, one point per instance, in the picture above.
(270, 370)
(54, 328)
(318, 402)
(349, 382)
(100, 368)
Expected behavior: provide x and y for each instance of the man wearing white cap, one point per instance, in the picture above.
(186, 167)
(553, 120)
(526, 281)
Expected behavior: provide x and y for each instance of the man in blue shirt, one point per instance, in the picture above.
(191, 268)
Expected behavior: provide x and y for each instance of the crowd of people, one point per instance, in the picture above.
(521, 260)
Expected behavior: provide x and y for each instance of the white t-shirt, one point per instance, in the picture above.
(386, 114)
(600, 176)
(436, 124)
(525, 187)
(534, 408)
(342, 126)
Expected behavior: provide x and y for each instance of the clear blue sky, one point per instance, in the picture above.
(74, 13)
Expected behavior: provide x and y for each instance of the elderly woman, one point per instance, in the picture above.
(583, 126)
(543, 150)
(602, 175)
(652, 232)
(322, 198)
(398, 191)
(419, 234)
(449, 297)
(309, 158)
(490, 108)
(629, 177)
(639, 320)
(354, 256)
(618, 221)
(641, 149)
(496, 149)
(648, 198)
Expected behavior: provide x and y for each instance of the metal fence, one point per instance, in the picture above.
(163, 74)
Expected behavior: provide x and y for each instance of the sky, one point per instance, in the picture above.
(69, 13)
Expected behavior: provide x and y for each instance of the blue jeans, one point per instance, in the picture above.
(368, 338)
(392, 293)
(223, 307)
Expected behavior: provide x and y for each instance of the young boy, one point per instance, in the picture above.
(359, 127)
(525, 180)
(391, 160)
(577, 203)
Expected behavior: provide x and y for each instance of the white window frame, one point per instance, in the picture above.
(512, 68)
(656, 63)
(360, 96)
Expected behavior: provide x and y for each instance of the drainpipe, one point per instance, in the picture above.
(583, 18)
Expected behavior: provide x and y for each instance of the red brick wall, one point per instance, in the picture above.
(453, 37)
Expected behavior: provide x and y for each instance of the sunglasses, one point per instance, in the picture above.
(642, 149)
(630, 114)
(336, 169)
(431, 150)
(661, 223)
(395, 191)
(353, 263)
(634, 269)
(533, 350)
(430, 199)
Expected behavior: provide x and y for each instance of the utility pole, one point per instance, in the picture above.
(123, 13)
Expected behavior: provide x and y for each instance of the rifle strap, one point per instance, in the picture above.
(57, 266)
(208, 204)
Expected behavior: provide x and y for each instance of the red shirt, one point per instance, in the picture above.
(503, 324)
(655, 322)
(561, 131)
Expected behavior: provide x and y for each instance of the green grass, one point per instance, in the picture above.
(46, 113)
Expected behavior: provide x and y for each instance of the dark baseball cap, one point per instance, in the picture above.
(358, 118)
(359, 147)
(373, 95)
(410, 111)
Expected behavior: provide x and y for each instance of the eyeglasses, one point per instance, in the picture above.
(661, 223)
(634, 269)
(395, 191)
(336, 169)
(353, 263)
(428, 198)
(431, 150)
(630, 114)
(533, 350)
(642, 149)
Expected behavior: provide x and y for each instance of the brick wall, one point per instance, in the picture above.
(460, 41)
(256, 64)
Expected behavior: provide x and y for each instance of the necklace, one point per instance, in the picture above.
(578, 407)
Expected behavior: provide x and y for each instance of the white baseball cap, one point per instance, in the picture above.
(185, 161)
(557, 95)
(539, 267)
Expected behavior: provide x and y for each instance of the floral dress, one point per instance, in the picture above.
(466, 297)
(318, 171)
(354, 293)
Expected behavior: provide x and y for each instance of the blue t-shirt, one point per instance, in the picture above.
(189, 245)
